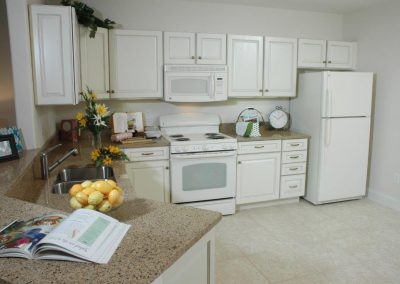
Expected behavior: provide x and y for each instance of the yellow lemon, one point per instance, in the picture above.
(82, 198)
(105, 206)
(113, 196)
(75, 189)
(88, 190)
(102, 186)
(119, 201)
(95, 198)
(111, 182)
(74, 203)
(90, 207)
(86, 184)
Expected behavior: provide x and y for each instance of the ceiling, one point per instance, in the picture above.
(328, 6)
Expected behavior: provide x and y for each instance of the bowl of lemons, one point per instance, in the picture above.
(100, 195)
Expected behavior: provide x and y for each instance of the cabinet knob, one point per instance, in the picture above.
(199, 57)
(112, 91)
(239, 162)
(324, 61)
(329, 61)
(193, 57)
(167, 168)
(266, 90)
(260, 91)
(293, 186)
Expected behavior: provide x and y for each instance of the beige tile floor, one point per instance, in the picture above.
(347, 242)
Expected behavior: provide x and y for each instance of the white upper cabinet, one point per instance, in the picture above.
(179, 48)
(280, 67)
(262, 69)
(341, 55)
(55, 52)
(245, 62)
(94, 62)
(211, 48)
(327, 54)
(192, 48)
(136, 64)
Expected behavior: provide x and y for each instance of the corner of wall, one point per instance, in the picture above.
(383, 199)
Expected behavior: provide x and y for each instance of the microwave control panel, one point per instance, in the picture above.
(220, 83)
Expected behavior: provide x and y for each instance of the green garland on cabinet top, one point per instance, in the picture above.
(86, 18)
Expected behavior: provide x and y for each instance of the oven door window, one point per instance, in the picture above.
(204, 176)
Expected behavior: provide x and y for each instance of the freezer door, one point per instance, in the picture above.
(343, 161)
(347, 94)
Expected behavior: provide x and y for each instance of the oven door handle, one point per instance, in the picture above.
(204, 155)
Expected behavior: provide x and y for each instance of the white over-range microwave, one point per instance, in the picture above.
(195, 83)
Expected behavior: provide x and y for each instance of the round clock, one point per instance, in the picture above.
(278, 119)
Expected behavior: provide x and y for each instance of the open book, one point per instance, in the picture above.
(85, 235)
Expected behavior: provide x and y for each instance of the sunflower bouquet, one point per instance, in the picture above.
(106, 155)
(96, 115)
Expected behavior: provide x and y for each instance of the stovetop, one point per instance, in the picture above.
(200, 142)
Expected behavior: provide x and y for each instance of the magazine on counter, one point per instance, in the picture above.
(85, 235)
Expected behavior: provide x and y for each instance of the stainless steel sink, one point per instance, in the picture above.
(70, 176)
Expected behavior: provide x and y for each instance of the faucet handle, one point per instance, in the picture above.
(51, 149)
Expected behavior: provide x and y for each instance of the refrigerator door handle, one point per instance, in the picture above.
(328, 126)
(328, 104)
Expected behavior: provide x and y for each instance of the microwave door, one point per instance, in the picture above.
(196, 87)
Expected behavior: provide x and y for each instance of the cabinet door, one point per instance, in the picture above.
(150, 179)
(53, 54)
(312, 53)
(280, 67)
(94, 62)
(245, 62)
(211, 48)
(258, 177)
(179, 48)
(136, 64)
(341, 55)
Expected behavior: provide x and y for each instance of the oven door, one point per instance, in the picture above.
(203, 176)
(189, 87)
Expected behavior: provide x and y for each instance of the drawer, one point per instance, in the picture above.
(294, 144)
(294, 157)
(259, 147)
(292, 186)
(147, 154)
(293, 169)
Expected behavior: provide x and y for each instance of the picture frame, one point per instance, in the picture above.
(8, 148)
(17, 136)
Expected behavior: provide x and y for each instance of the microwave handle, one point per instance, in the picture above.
(212, 85)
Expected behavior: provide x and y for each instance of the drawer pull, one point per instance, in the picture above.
(147, 154)
(294, 169)
(293, 186)
(259, 147)
(295, 144)
(294, 157)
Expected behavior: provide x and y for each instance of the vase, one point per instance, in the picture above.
(96, 140)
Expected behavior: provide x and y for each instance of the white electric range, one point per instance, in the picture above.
(202, 161)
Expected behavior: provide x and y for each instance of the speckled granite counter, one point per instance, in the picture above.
(160, 234)
(229, 129)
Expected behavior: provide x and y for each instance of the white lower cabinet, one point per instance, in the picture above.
(149, 172)
(196, 266)
(271, 170)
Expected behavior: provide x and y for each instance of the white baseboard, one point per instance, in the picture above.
(384, 199)
(267, 203)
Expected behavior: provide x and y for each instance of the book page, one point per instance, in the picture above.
(83, 233)
(24, 235)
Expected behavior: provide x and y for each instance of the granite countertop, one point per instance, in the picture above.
(160, 234)
(266, 134)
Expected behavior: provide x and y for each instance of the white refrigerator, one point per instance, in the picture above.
(335, 109)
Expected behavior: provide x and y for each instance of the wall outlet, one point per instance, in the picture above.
(397, 178)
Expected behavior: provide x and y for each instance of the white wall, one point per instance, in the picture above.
(170, 15)
(7, 107)
(376, 30)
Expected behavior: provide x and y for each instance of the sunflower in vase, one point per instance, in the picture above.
(95, 118)
(106, 155)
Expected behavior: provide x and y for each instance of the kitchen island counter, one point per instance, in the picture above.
(160, 233)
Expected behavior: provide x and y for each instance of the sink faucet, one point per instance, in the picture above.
(44, 163)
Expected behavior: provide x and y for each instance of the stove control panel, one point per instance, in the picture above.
(203, 148)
